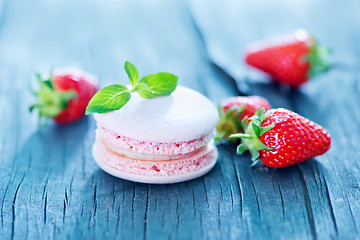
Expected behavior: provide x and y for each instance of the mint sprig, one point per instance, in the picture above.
(114, 97)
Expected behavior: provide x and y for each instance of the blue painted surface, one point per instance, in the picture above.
(50, 187)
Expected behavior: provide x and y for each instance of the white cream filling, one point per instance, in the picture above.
(154, 157)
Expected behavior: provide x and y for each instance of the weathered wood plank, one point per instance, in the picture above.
(50, 186)
(63, 193)
(338, 174)
(227, 28)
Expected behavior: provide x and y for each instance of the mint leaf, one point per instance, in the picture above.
(108, 99)
(157, 84)
(132, 72)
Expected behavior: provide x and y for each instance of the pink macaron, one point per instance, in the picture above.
(166, 139)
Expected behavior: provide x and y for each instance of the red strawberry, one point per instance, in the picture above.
(280, 138)
(234, 110)
(291, 61)
(65, 95)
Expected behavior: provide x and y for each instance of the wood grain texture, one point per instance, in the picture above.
(50, 187)
(325, 192)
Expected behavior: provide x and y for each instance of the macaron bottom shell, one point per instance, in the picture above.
(152, 171)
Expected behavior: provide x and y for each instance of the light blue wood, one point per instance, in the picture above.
(50, 187)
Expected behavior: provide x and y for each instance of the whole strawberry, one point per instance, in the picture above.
(234, 110)
(280, 138)
(65, 95)
(291, 60)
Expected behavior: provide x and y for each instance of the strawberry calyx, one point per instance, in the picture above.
(320, 58)
(50, 102)
(230, 123)
(250, 138)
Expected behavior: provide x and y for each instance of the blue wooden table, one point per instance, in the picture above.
(50, 186)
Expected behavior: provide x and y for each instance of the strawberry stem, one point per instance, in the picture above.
(50, 102)
(250, 139)
(320, 58)
(229, 122)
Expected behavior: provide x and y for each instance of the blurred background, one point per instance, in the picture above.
(99, 36)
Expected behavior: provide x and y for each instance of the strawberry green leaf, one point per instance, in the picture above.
(32, 107)
(254, 163)
(67, 95)
(260, 112)
(108, 99)
(264, 115)
(241, 149)
(265, 129)
(220, 136)
(48, 83)
(157, 84)
(132, 72)
(255, 117)
(254, 154)
(250, 139)
(256, 129)
(240, 135)
(264, 147)
(320, 58)
(230, 112)
(39, 78)
(49, 101)
(244, 123)
(220, 111)
(229, 123)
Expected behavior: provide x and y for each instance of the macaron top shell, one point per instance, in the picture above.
(184, 115)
